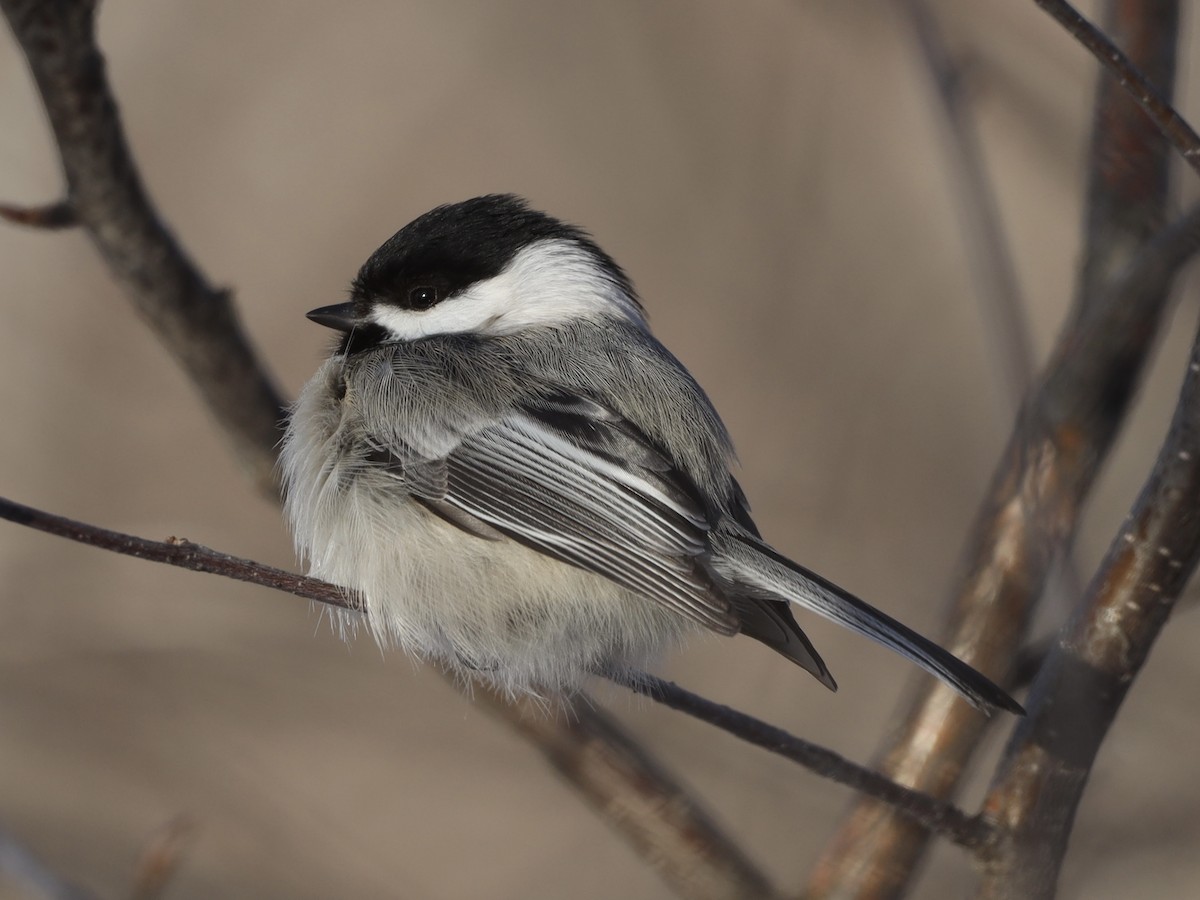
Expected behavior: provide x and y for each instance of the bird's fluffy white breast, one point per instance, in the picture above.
(494, 610)
(550, 282)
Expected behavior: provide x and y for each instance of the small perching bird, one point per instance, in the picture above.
(523, 483)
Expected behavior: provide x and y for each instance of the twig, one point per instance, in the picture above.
(933, 814)
(939, 817)
(179, 552)
(200, 327)
(197, 322)
(1081, 687)
(1139, 87)
(1064, 432)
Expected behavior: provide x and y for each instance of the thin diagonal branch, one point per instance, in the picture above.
(939, 817)
(1148, 96)
(1090, 670)
(625, 785)
(179, 552)
(933, 814)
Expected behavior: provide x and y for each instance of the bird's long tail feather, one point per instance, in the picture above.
(751, 564)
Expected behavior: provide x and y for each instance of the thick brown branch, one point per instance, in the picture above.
(197, 322)
(1064, 432)
(1079, 691)
(655, 815)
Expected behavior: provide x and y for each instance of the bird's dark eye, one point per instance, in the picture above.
(422, 296)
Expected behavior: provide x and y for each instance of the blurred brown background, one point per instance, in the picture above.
(773, 176)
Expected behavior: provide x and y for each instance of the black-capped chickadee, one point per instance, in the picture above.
(523, 483)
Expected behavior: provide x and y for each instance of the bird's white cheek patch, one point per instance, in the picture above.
(551, 282)
(454, 316)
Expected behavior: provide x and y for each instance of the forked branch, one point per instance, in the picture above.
(1089, 671)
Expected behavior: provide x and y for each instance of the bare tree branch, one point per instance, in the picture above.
(1065, 430)
(1089, 670)
(996, 286)
(1129, 158)
(1101, 650)
(199, 326)
(933, 814)
(197, 322)
(1156, 104)
(658, 818)
(939, 817)
(1062, 435)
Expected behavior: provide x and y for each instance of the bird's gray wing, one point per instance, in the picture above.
(571, 479)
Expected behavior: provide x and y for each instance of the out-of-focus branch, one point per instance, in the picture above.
(567, 756)
(161, 858)
(1079, 691)
(995, 278)
(50, 217)
(659, 819)
(20, 864)
(1064, 431)
(1129, 158)
(197, 322)
(199, 326)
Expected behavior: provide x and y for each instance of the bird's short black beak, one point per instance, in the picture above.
(340, 316)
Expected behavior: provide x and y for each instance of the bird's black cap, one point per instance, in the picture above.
(456, 245)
